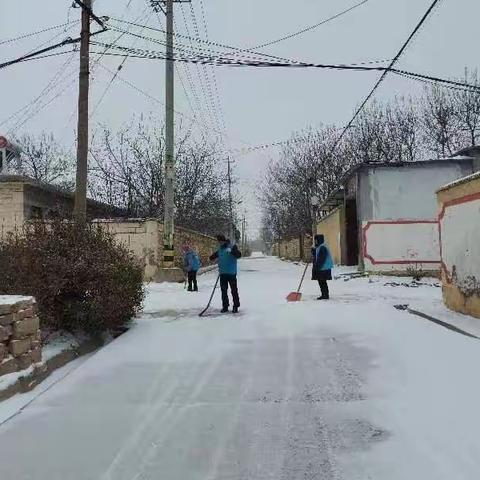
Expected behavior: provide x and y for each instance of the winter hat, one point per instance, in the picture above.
(221, 238)
(319, 239)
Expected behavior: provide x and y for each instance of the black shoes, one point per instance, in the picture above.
(323, 298)
(224, 310)
(235, 310)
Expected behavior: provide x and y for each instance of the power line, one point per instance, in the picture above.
(205, 60)
(50, 85)
(67, 41)
(385, 73)
(38, 32)
(112, 80)
(155, 99)
(306, 29)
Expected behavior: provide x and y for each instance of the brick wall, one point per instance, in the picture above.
(20, 341)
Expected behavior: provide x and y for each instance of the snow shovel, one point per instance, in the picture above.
(211, 298)
(297, 296)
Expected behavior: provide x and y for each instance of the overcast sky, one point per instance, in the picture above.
(259, 106)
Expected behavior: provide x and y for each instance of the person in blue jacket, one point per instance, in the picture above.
(322, 266)
(227, 256)
(192, 266)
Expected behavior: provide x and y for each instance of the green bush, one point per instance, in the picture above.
(82, 280)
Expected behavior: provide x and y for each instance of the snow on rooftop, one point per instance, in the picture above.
(460, 181)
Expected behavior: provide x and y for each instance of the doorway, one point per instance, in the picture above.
(351, 221)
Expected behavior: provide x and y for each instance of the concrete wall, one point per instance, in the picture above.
(11, 207)
(459, 220)
(22, 198)
(405, 192)
(332, 227)
(144, 238)
(398, 246)
(398, 213)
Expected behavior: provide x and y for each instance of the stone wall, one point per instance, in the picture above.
(203, 244)
(294, 249)
(20, 340)
(459, 224)
(144, 238)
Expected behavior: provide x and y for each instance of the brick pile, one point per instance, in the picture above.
(20, 339)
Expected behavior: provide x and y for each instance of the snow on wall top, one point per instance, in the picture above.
(460, 181)
(12, 299)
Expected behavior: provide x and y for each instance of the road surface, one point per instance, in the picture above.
(350, 389)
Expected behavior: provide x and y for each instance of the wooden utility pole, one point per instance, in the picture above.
(80, 209)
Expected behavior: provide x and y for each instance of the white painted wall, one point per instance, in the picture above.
(460, 227)
(412, 244)
(406, 193)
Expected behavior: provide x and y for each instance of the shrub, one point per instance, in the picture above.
(81, 279)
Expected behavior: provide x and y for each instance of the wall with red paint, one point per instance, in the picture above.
(459, 225)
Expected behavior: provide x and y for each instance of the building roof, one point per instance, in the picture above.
(57, 190)
(336, 198)
(468, 152)
(460, 181)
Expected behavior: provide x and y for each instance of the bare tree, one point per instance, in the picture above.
(441, 128)
(44, 159)
(467, 110)
(128, 171)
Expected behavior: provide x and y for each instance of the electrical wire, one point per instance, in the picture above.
(38, 32)
(112, 80)
(306, 29)
(386, 72)
(156, 55)
(44, 91)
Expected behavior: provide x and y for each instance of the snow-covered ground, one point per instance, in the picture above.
(346, 389)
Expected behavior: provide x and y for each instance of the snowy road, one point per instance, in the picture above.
(350, 389)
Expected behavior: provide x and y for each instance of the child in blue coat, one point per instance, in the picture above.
(192, 266)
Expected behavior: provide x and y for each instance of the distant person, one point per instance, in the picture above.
(192, 266)
(227, 256)
(322, 266)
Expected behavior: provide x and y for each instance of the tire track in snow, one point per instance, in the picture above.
(151, 450)
(220, 451)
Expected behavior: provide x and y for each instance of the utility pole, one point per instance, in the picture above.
(169, 207)
(231, 228)
(169, 214)
(80, 208)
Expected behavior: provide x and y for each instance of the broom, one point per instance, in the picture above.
(297, 296)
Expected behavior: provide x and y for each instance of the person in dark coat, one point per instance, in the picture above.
(227, 256)
(322, 266)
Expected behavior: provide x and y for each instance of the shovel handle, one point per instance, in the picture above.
(303, 277)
